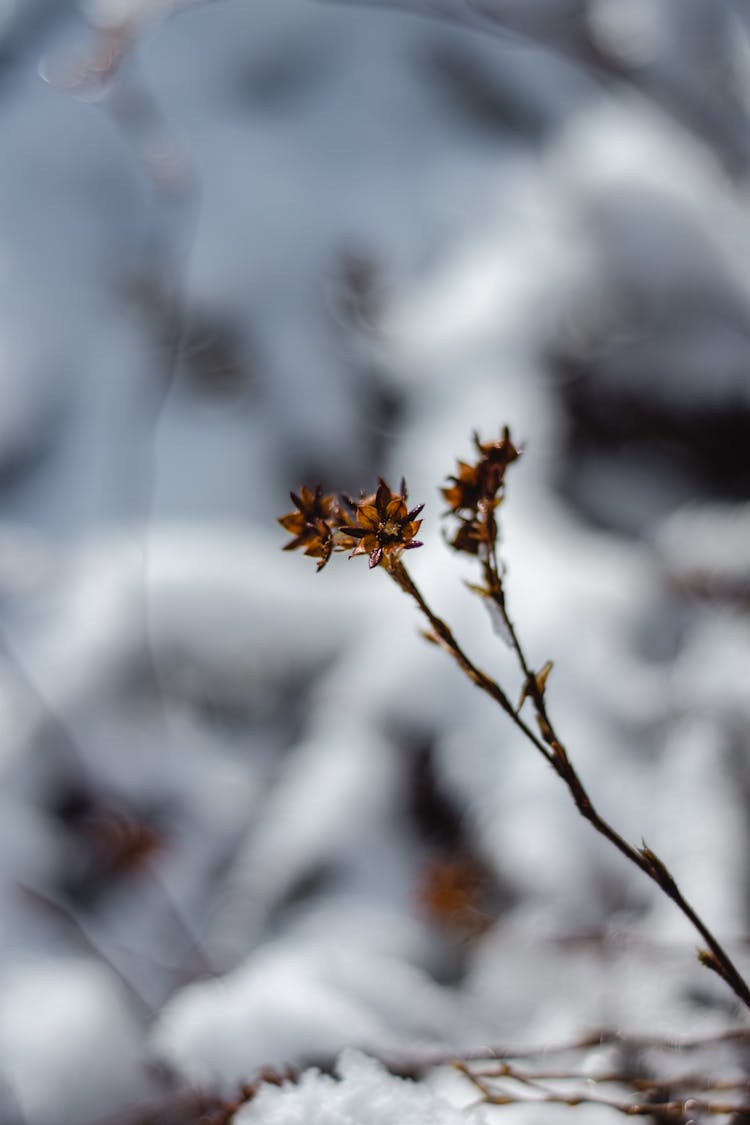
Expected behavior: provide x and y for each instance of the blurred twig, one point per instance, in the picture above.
(669, 1100)
(705, 96)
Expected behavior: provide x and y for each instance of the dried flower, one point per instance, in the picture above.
(476, 491)
(314, 525)
(496, 456)
(466, 491)
(458, 893)
(484, 480)
(385, 527)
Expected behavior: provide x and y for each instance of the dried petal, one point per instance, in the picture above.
(543, 675)
(368, 516)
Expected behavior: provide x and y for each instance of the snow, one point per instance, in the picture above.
(305, 999)
(365, 1094)
(58, 1015)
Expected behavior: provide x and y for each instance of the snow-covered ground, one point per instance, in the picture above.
(246, 244)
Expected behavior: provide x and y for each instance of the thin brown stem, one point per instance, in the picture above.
(714, 957)
(442, 635)
(691, 1082)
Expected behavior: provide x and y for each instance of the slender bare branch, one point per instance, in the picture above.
(381, 526)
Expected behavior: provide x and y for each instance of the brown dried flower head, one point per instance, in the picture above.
(476, 490)
(314, 524)
(379, 525)
(385, 526)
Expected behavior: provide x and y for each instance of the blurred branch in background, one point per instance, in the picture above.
(681, 55)
(666, 1080)
(106, 73)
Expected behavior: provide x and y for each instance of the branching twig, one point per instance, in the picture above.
(628, 1046)
(714, 956)
(677, 1097)
(670, 1101)
(381, 526)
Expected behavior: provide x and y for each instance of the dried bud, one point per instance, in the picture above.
(711, 961)
(535, 685)
(657, 868)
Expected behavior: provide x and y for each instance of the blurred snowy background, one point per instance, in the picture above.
(247, 816)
